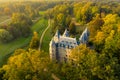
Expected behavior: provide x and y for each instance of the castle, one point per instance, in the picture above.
(60, 46)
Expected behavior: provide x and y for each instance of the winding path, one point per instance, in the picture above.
(5, 21)
(44, 34)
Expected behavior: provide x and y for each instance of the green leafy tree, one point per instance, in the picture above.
(68, 21)
(32, 13)
(72, 28)
(5, 36)
(18, 17)
(20, 25)
(84, 13)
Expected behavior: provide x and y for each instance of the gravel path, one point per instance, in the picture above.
(5, 21)
(44, 34)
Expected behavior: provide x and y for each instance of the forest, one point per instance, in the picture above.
(99, 59)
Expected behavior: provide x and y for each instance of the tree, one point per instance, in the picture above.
(18, 17)
(20, 25)
(84, 13)
(5, 36)
(15, 31)
(68, 21)
(72, 28)
(99, 41)
(81, 61)
(112, 45)
(100, 37)
(60, 20)
(34, 44)
(7, 10)
(95, 25)
(61, 15)
(111, 19)
(93, 66)
(48, 14)
(27, 65)
(32, 13)
(2, 72)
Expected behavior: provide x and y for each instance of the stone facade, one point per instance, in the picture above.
(60, 46)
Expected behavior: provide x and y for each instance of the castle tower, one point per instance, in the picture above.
(66, 33)
(84, 37)
(57, 36)
(60, 46)
(52, 50)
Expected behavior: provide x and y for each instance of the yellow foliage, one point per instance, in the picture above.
(86, 7)
(118, 29)
(79, 53)
(110, 37)
(5, 67)
(107, 29)
(35, 34)
(60, 17)
(99, 38)
(111, 19)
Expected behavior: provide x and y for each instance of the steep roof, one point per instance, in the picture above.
(66, 33)
(57, 34)
(84, 37)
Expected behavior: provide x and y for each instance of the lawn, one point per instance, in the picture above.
(7, 49)
(46, 40)
(40, 26)
(41, 13)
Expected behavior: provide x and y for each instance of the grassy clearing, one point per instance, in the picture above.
(40, 26)
(46, 40)
(42, 12)
(7, 49)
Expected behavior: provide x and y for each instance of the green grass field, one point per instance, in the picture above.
(7, 49)
(40, 26)
(46, 40)
(42, 12)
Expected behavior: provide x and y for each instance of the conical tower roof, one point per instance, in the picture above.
(57, 34)
(84, 37)
(66, 33)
